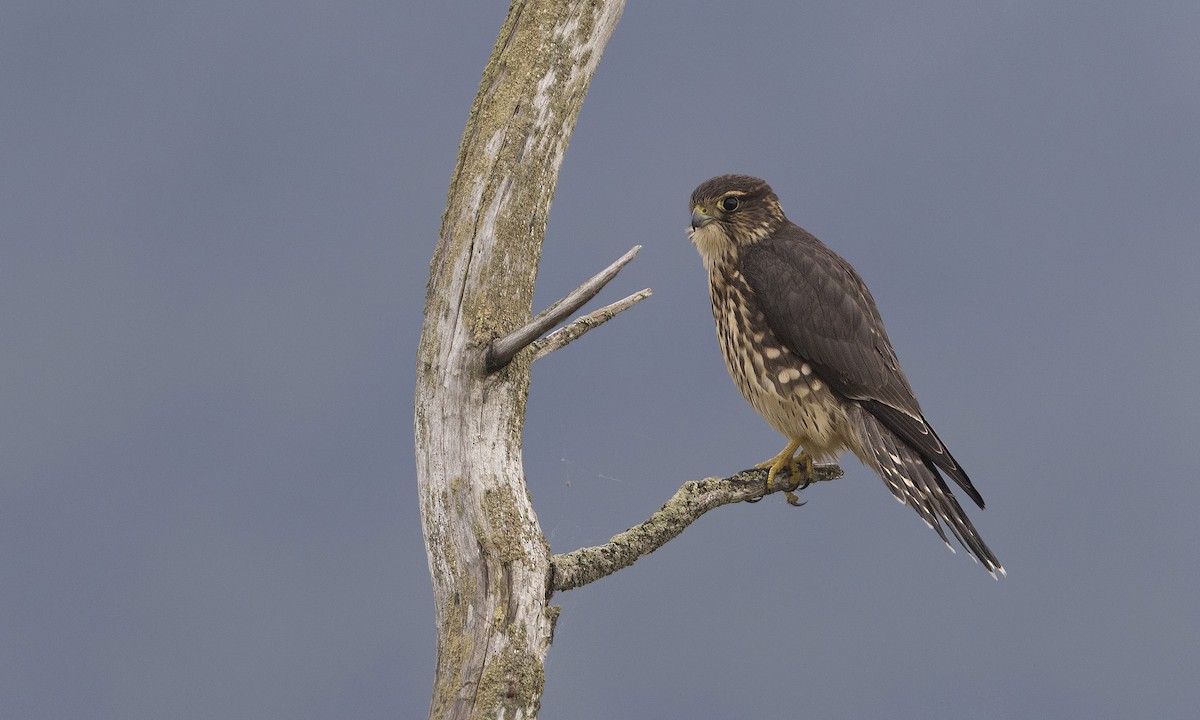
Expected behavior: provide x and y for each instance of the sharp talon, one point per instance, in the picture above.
(808, 472)
(793, 500)
(793, 462)
(770, 480)
(753, 500)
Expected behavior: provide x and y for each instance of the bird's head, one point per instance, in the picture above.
(730, 212)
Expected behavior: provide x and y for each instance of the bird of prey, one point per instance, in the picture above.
(804, 342)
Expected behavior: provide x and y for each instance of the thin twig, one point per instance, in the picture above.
(580, 567)
(566, 334)
(503, 350)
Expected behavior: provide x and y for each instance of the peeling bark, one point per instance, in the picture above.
(488, 559)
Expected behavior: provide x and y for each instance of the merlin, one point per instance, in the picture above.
(804, 342)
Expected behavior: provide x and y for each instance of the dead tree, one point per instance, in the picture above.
(493, 574)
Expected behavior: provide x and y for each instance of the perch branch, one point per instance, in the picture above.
(503, 350)
(580, 567)
(565, 335)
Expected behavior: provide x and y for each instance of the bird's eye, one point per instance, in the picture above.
(729, 203)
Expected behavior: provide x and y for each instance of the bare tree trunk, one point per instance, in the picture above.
(489, 561)
(492, 570)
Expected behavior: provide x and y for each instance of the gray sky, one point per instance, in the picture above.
(216, 225)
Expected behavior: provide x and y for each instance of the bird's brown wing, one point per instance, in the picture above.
(818, 306)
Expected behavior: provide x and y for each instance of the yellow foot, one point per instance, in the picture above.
(807, 460)
(789, 459)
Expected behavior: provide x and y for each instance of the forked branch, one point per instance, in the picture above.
(696, 497)
(566, 334)
(503, 350)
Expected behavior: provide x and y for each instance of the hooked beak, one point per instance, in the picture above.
(700, 218)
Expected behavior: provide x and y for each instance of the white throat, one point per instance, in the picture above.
(712, 244)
